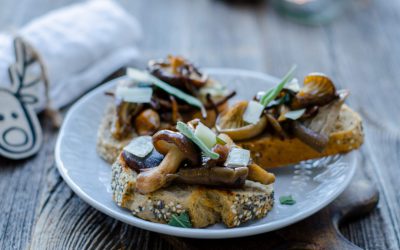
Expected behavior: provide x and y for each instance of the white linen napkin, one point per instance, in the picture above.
(79, 46)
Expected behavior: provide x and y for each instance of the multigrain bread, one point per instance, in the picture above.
(204, 205)
(270, 151)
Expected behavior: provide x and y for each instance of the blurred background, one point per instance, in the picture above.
(354, 42)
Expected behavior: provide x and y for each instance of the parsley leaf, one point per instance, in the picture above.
(181, 220)
(287, 200)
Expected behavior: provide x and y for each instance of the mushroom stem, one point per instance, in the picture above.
(155, 179)
(257, 173)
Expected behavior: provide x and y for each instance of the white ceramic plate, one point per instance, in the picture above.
(313, 184)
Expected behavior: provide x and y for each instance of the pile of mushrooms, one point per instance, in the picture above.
(176, 159)
(164, 110)
(179, 73)
(308, 114)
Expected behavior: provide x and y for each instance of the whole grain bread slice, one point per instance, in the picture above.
(204, 205)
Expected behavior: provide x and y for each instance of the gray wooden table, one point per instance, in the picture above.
(360, 50)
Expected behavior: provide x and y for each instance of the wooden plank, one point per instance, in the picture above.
(66, 222)
(365, 53)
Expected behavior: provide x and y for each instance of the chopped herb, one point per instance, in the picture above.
(274, 92)
(181, 220)
(145, 77)
(295, 114)
(287, 200)
(189, 133)
(220, 141)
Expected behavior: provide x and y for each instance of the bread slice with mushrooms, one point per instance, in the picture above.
(204, 205)
(108, 147)
(271, 151)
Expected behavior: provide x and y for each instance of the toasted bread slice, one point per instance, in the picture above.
(270, 151)
(107, 146)
(204, 205)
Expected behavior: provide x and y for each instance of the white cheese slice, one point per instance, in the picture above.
(140, 146)
(135, 94)
(253, 112)
(206, 135)
(238, 157)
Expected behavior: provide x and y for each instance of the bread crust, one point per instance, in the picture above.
(204, 205)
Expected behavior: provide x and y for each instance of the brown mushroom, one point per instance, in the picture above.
(122, 121)
(325, 120)
(309, 137)
(257, 173)
(175, 110)
(318, 90)
(214, 176)
(147, 122)
(231, 123)
(223, 151)
(276, 126)
(176, 148)
(315, 131)
(140, 164)
(178, 72)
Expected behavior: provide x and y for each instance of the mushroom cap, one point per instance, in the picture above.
(164, 140)
(139, 164)
(187, 72)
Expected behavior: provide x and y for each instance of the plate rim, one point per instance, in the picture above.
(201, 233)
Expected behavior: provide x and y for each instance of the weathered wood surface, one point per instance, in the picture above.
(319, 231)
(360, 50)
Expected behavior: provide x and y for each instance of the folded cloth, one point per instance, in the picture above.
(79, 46)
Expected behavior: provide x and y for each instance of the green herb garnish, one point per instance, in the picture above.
(287, 200)
(295, 114)
(181, 220)
(274, 92)
(145, 77)
(189, 133)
